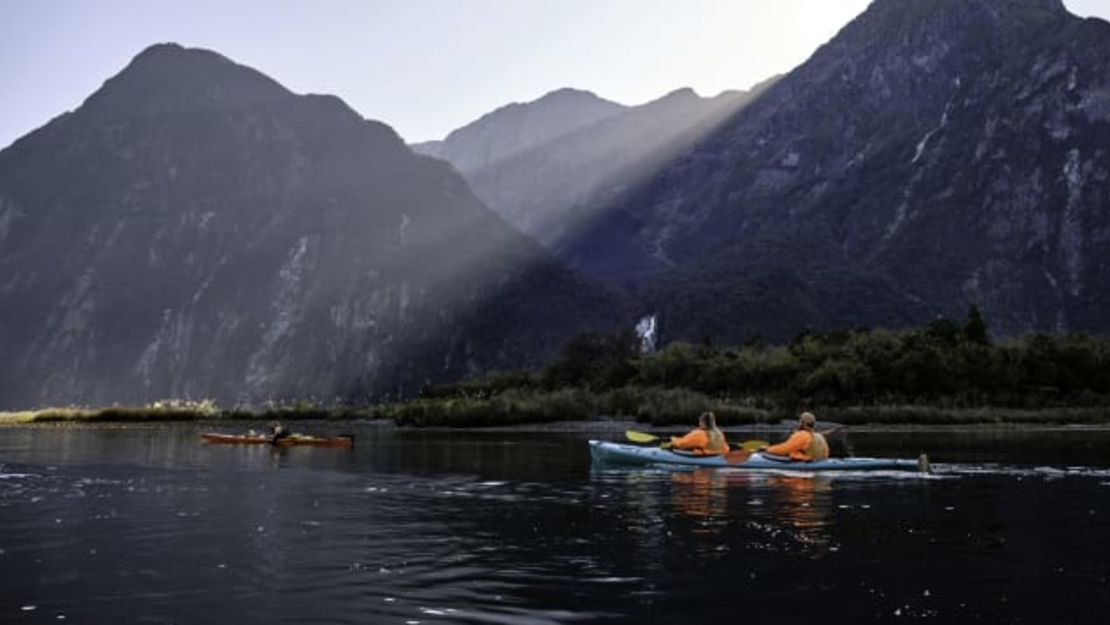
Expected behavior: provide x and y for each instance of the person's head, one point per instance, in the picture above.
(707, 420)
(807, 421)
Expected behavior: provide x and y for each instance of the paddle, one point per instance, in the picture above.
(644, 437)
(640, 437)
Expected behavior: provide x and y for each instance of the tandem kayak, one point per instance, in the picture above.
(604, 452)
(292, 440)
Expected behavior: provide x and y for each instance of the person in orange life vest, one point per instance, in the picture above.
(804, 444)
(705, 440)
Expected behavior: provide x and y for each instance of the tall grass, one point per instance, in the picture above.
(180, 410)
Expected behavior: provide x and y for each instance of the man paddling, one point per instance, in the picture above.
(278, 432)
(804, 444)
(705, 440)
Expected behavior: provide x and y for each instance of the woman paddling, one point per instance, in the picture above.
(804, 444)
(705, 440)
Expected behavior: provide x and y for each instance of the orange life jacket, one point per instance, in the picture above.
(701, 442)
(802, 445)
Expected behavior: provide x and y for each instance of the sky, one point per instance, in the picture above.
(424, 67)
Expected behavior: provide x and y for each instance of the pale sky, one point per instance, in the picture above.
(424, 67)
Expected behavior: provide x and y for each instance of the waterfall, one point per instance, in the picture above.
(646, 330)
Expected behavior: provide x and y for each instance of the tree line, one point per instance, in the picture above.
(942, 363)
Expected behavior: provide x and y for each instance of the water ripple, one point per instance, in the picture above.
(526, 533)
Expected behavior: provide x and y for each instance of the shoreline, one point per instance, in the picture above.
(1027, 422)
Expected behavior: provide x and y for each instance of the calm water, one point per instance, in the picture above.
(149, 525)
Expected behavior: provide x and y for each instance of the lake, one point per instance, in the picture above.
(150, 525)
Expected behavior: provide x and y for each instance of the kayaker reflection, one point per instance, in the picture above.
(803, 504)
(792, 509)
(700, 493)
(705, 440)
(804, 444)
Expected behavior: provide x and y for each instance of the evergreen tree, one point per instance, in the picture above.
(975, 330)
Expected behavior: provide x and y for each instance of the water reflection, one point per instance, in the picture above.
(457, 527)
(701, 494)
(801, 504)
(790, 514)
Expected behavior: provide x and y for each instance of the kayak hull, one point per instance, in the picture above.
(605, 452)
(288, 441)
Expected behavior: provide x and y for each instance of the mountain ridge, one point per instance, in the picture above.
(519, 126)
(550, 187)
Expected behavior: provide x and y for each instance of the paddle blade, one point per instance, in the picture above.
(640, 437)
(753, 445)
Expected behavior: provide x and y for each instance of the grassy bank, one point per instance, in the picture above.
(658, 407)
(151, 414)
(520, 406)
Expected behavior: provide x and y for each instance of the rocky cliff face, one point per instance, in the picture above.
(934, 154)
(550, 184)
(196, 230)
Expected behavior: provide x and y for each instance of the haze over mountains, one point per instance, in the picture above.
(933, 155)
(546, 165)
(197, 230)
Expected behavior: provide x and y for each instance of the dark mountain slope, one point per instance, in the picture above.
(932, 155)
(194, 229)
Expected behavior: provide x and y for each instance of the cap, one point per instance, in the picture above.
(808, 420)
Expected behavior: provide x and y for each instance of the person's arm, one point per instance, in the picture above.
(695, 439)
(798, 441)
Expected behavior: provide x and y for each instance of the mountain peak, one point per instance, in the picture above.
(168, 48)
(682, 93)
(569, 93)
(684, 96)
(559, 100)
(170, 77)
(1051, 6)
(956, 15)
(521, 126)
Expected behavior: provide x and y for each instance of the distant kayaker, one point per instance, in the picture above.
(804, 444)
(705, 440)
(278, 432)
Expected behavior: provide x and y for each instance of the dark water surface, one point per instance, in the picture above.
(149, 525)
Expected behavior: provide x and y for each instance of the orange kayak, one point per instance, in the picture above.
(293, 440)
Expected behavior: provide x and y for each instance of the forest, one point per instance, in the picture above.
(943, 371)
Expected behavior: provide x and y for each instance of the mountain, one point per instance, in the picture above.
(933, 155)
(196, 230)
(519, 127)
(584, 153)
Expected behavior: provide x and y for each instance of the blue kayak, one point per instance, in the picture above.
(604, 452)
